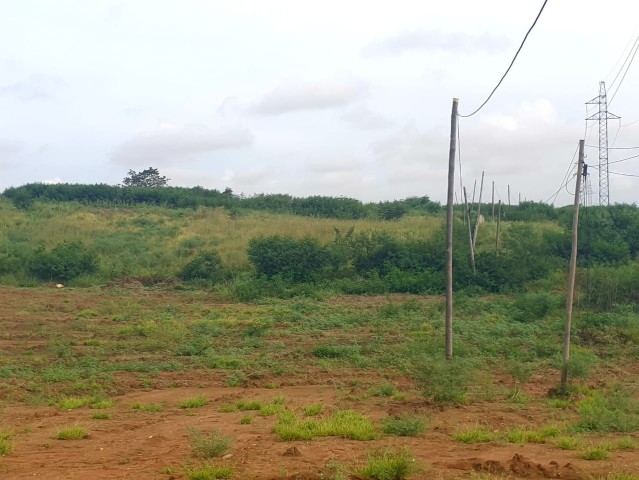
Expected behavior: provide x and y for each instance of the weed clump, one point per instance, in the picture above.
(208, 471)
(404, 426)
(75, 432)
(617, 411)
(195, 402)
(209, 445)
(478, 434)
(344, 423)
(6, 445)
(388, 465)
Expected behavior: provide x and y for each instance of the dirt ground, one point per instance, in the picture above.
(133, 444)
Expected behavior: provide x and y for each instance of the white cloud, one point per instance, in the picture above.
(361, 117)
(298, 95)
(247, 177)
(52, 181)
(35, 87)
(335, 165)
(172, 144)
(436, 40)
(8, 148)
(410, 145)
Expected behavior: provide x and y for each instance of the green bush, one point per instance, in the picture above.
(294, 260)
(207, 265)
(64, 262)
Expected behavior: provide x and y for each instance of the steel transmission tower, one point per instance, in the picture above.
(602, 116)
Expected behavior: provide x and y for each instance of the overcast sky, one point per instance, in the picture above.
(345, 98)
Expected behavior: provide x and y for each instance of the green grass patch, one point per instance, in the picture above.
(208, 445)
(313, 410)
(6, 443)
(567, 443)
(344, 423)
(385, 390)
(525, 435)
(388, 465)
(263, 409)
(208, 471)
(597, 452)
(478, 434)
(246, 420)
(404, 426)
(615, 411)
(75, 432)
(101, 416)
(195, 402)
(619, 476)
(562, 403)
(627, 443)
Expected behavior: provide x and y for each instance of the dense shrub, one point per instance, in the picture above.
(64, 262)
(295, 260)
(207, 265)
(392, 210)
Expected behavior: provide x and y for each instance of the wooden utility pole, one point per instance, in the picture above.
(493, 200)
(449, 231)
(481, 190)
(498, 225)
(520, 198)
(573, 270)
(472, 202)
(509, 198)
(470, 232)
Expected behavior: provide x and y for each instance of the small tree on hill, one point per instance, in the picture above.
(149, 178)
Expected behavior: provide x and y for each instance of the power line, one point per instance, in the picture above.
(618, 173)
(619, 59)
(625, 159)
(511, 63)
(614, 148)
(627, 57)
(636, 47)
(624, 174)
(631, 123)
(565, 181)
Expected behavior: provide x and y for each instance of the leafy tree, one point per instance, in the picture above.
(149, 178)
(392, 210)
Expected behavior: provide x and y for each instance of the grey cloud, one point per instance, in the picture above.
(435, 40)
(361, 117)
(8, 148)
(409, 145)
(36, 87)
(167, 145)
(297, 95)
(335, 165)
(247, 177)
(506, 147)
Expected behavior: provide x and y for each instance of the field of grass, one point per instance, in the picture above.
(308, 384)
(83, 351)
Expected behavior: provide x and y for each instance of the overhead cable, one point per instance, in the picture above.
(511, 63)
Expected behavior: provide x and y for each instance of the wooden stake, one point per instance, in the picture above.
(449, 231)
(493, 200)
(470, 233)
(481, 190)
(572, 271)
(472, 202)
(498, 224)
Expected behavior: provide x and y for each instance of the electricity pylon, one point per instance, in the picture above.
(602, 116)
